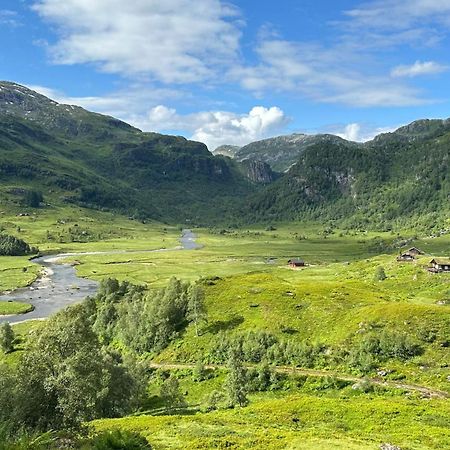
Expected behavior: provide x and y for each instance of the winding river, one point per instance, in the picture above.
(59, 285)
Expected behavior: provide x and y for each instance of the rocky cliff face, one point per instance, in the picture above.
(227, 150)
(259, 171)
(283, 151)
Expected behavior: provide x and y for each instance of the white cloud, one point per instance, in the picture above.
(9, 18)
(399, 14)
(418, 68)
(351, 132)
(360, 132)
(352, 70)
(215, 128)
(328, 75)
(173, 41)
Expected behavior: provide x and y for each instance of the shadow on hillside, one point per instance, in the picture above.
(224, 325)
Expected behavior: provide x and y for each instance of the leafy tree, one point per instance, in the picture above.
(7, 338)
(171, 394)
(196, 305)
(236, 382)
(12, 246)
(214, 399)
(199, 372)
(33, 199)
(67, 378)
(380, 274)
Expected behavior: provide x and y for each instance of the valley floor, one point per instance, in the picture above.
(333, 302)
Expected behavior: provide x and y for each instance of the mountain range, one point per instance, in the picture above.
(75, 156)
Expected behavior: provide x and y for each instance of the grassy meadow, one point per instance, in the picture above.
(249, 287)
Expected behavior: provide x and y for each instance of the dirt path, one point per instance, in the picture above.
(429, 392)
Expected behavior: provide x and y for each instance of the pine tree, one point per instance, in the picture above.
(7, 338)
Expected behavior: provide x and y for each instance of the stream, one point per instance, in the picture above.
(59, 286)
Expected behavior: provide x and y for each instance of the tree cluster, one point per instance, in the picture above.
(145, 321)
(66, 378)
(12, 246)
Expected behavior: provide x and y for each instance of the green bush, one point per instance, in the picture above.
(117, 440)
(12, 246)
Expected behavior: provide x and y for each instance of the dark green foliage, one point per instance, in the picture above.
(262, 378)
(199, 373)
(6, 338)
(33, 199)
(236, 382)
(27, 441)
(214, 399)
(375, 348)
(196, 305)
(117, 440)
(144, 321)
(397, 179)
(66, 378)
(12, 246)
(380, 274)
(100, 162)
(171, 394)
(259, 346)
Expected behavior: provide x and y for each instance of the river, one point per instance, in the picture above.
(59, 286)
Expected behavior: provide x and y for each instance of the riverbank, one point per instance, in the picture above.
(59, 284)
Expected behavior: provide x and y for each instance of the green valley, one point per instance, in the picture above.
(220, 343)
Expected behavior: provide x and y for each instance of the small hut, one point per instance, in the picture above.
(438, 265)
(406, 257)
(296, 263)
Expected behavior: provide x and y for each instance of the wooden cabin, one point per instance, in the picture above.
(406, 257)
(438, 265)
(415, 251)
(296, 263)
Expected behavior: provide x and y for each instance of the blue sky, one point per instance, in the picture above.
(234, 72)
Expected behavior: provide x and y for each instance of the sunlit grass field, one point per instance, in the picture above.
(249, 286)
(324, 422)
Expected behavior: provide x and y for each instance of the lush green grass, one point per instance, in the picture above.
(67, 229)
(52, 230)
(7, 308)
(235, 252)
(342, 422)
(330, 301)
(16, 271)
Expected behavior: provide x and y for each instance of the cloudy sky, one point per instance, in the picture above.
(233, 72)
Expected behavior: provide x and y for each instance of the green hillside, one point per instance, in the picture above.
(74, 156)
(399, 179)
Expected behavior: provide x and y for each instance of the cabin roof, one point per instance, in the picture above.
(441, 261)
(415, 249)
(296, 260)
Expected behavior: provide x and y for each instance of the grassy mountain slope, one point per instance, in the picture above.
(400, 177)
(76, 156)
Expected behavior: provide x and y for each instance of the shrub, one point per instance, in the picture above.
(7, 338)
(117, 440)
(33, 199)
(380, 274)
(12, 246)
